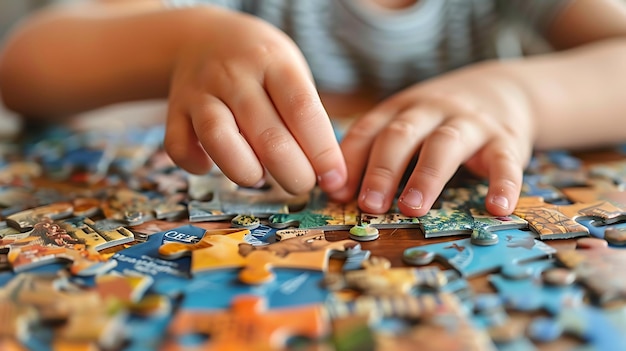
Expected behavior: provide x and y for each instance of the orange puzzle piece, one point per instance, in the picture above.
(247, 325)
(559, 221)
(310, 252)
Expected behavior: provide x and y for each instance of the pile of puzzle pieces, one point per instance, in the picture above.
(105, 244)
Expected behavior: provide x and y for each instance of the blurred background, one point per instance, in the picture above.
(510, 42)
(11, 11)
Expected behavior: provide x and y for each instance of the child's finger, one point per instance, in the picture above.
(182, 145)
(270, 138)
(356, 146)
(448, 146)
(505, 177)
(391, 154)
(219, 134)
(297, 102)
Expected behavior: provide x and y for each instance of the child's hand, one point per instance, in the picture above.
(477, 116)
(242, 96)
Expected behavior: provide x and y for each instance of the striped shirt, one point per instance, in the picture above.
(349, 44)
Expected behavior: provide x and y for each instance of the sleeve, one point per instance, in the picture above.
(537, 15)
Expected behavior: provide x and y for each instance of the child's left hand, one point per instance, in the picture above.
(478, 116)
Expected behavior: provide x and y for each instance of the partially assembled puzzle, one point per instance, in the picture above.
(107, 245)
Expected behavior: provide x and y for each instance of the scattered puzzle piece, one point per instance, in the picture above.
(534, 293)
(433, 321)
(514, 247)
(49, 242)
(377, 278)
(26, 220)
(600, 268)
(247, 325)
(231, 251)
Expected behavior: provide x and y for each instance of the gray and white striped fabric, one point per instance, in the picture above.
(350, 44)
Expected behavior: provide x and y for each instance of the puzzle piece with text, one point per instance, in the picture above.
(228, 249)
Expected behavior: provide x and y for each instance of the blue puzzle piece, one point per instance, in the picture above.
(146, 333)
(529, 294)
(533, 186)
(514, 246)
(144, 257)
(291, 287)
(564, 160)
(596, 229)
(600, 329)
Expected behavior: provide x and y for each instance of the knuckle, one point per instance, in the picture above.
(226, 72)
(205, 128)
(323, 155)
(505, 155)
(449, 133)
(275, 141)
(267, 50)
(362, 129)
(428, 171)
(399, 129)
(381, 171)
(307, 107)
(452, 99)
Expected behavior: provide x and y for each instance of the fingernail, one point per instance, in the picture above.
(260, 184)
(331, 179)
(373, 199)
(412, 198)
(500, 201)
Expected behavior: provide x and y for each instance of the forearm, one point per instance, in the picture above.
(68, 60)
(576, 96)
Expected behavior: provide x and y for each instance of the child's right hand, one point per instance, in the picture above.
(242, 97)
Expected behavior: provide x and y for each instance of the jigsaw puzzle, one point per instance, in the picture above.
(106, 244)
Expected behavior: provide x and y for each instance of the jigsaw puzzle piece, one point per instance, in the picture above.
(599, 329)
(489, 314)
(87, 319)
(145, 259)
(599, 268)
(127, 205)
(606, 206)
(614, 172)
(393, 219)
(613, 233)
(377, 278)
(536, 291)
(49, 242)
(98, 235)
(462, 212)
(216, 198)
(247, 325)
(432, 321)
(26, 220)
(229, 250)
(319, 213)
(533, 186)
(308, 252)
(446, 222)
(551, 221)
(513, 247)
